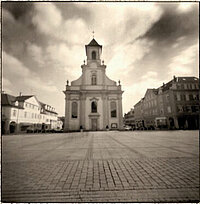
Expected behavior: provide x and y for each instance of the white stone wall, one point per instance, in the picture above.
(30, 114)
(88, 112)
(74, 123)
(84, 84)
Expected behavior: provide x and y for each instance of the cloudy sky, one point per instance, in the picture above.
(144, 45)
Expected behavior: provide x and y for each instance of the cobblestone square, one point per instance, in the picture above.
(111, 166)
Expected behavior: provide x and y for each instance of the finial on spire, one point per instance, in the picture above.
(93, 34)
(119, 82)
(67, 83)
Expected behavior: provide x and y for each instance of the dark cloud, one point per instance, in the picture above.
(17, 28)
(173, 24)
(73, 10)
(18, 9)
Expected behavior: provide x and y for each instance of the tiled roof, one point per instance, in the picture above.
(43, 106)
(187, 79)
(93, 43)
(23, 98)
(7, 99)
(155, 91)
(166, 86)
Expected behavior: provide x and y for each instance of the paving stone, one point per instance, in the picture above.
(115, 167)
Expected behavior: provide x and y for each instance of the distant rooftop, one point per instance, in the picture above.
(9, 100)
(23, 98)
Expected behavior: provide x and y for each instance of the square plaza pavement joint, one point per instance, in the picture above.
(149, 166)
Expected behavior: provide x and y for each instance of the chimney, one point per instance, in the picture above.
(174, 78)
(20, 93)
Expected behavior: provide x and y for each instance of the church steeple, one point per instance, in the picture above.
(93, 51)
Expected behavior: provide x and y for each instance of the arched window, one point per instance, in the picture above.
(94, 107)
(94, 79)
(93, 55)
(74, 109)
(113, 109)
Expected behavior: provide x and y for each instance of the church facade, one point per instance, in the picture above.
(93, 101)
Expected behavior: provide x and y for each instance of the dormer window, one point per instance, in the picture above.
(93, 55)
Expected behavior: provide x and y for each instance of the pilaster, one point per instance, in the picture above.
(82, 110)
(120, 112)
(105, 111)
(67, 112)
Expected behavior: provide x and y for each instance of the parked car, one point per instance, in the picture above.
(127, 128)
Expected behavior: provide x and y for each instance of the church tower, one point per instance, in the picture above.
(93, 102)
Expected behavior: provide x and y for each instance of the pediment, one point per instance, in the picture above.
(94, 99)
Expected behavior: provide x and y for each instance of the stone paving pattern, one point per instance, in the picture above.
(153, 166)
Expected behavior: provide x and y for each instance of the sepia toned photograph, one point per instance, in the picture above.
(100, 102)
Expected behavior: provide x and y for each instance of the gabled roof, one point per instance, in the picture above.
(94, 43)
(46, 110)
(23, 98)
(7, 99)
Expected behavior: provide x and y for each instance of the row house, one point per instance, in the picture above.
(21, 112)
(129, 118)
(174, 105)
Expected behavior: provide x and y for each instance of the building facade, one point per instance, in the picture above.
(93, 102)
(174, 105)
(25, 112)
(129, 119)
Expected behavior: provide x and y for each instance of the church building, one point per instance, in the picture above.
(93, 101)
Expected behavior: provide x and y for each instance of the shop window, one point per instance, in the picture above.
(94, 107)
(74, 109)
(113, 108)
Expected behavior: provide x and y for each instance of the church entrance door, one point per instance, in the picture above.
(94, 124)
